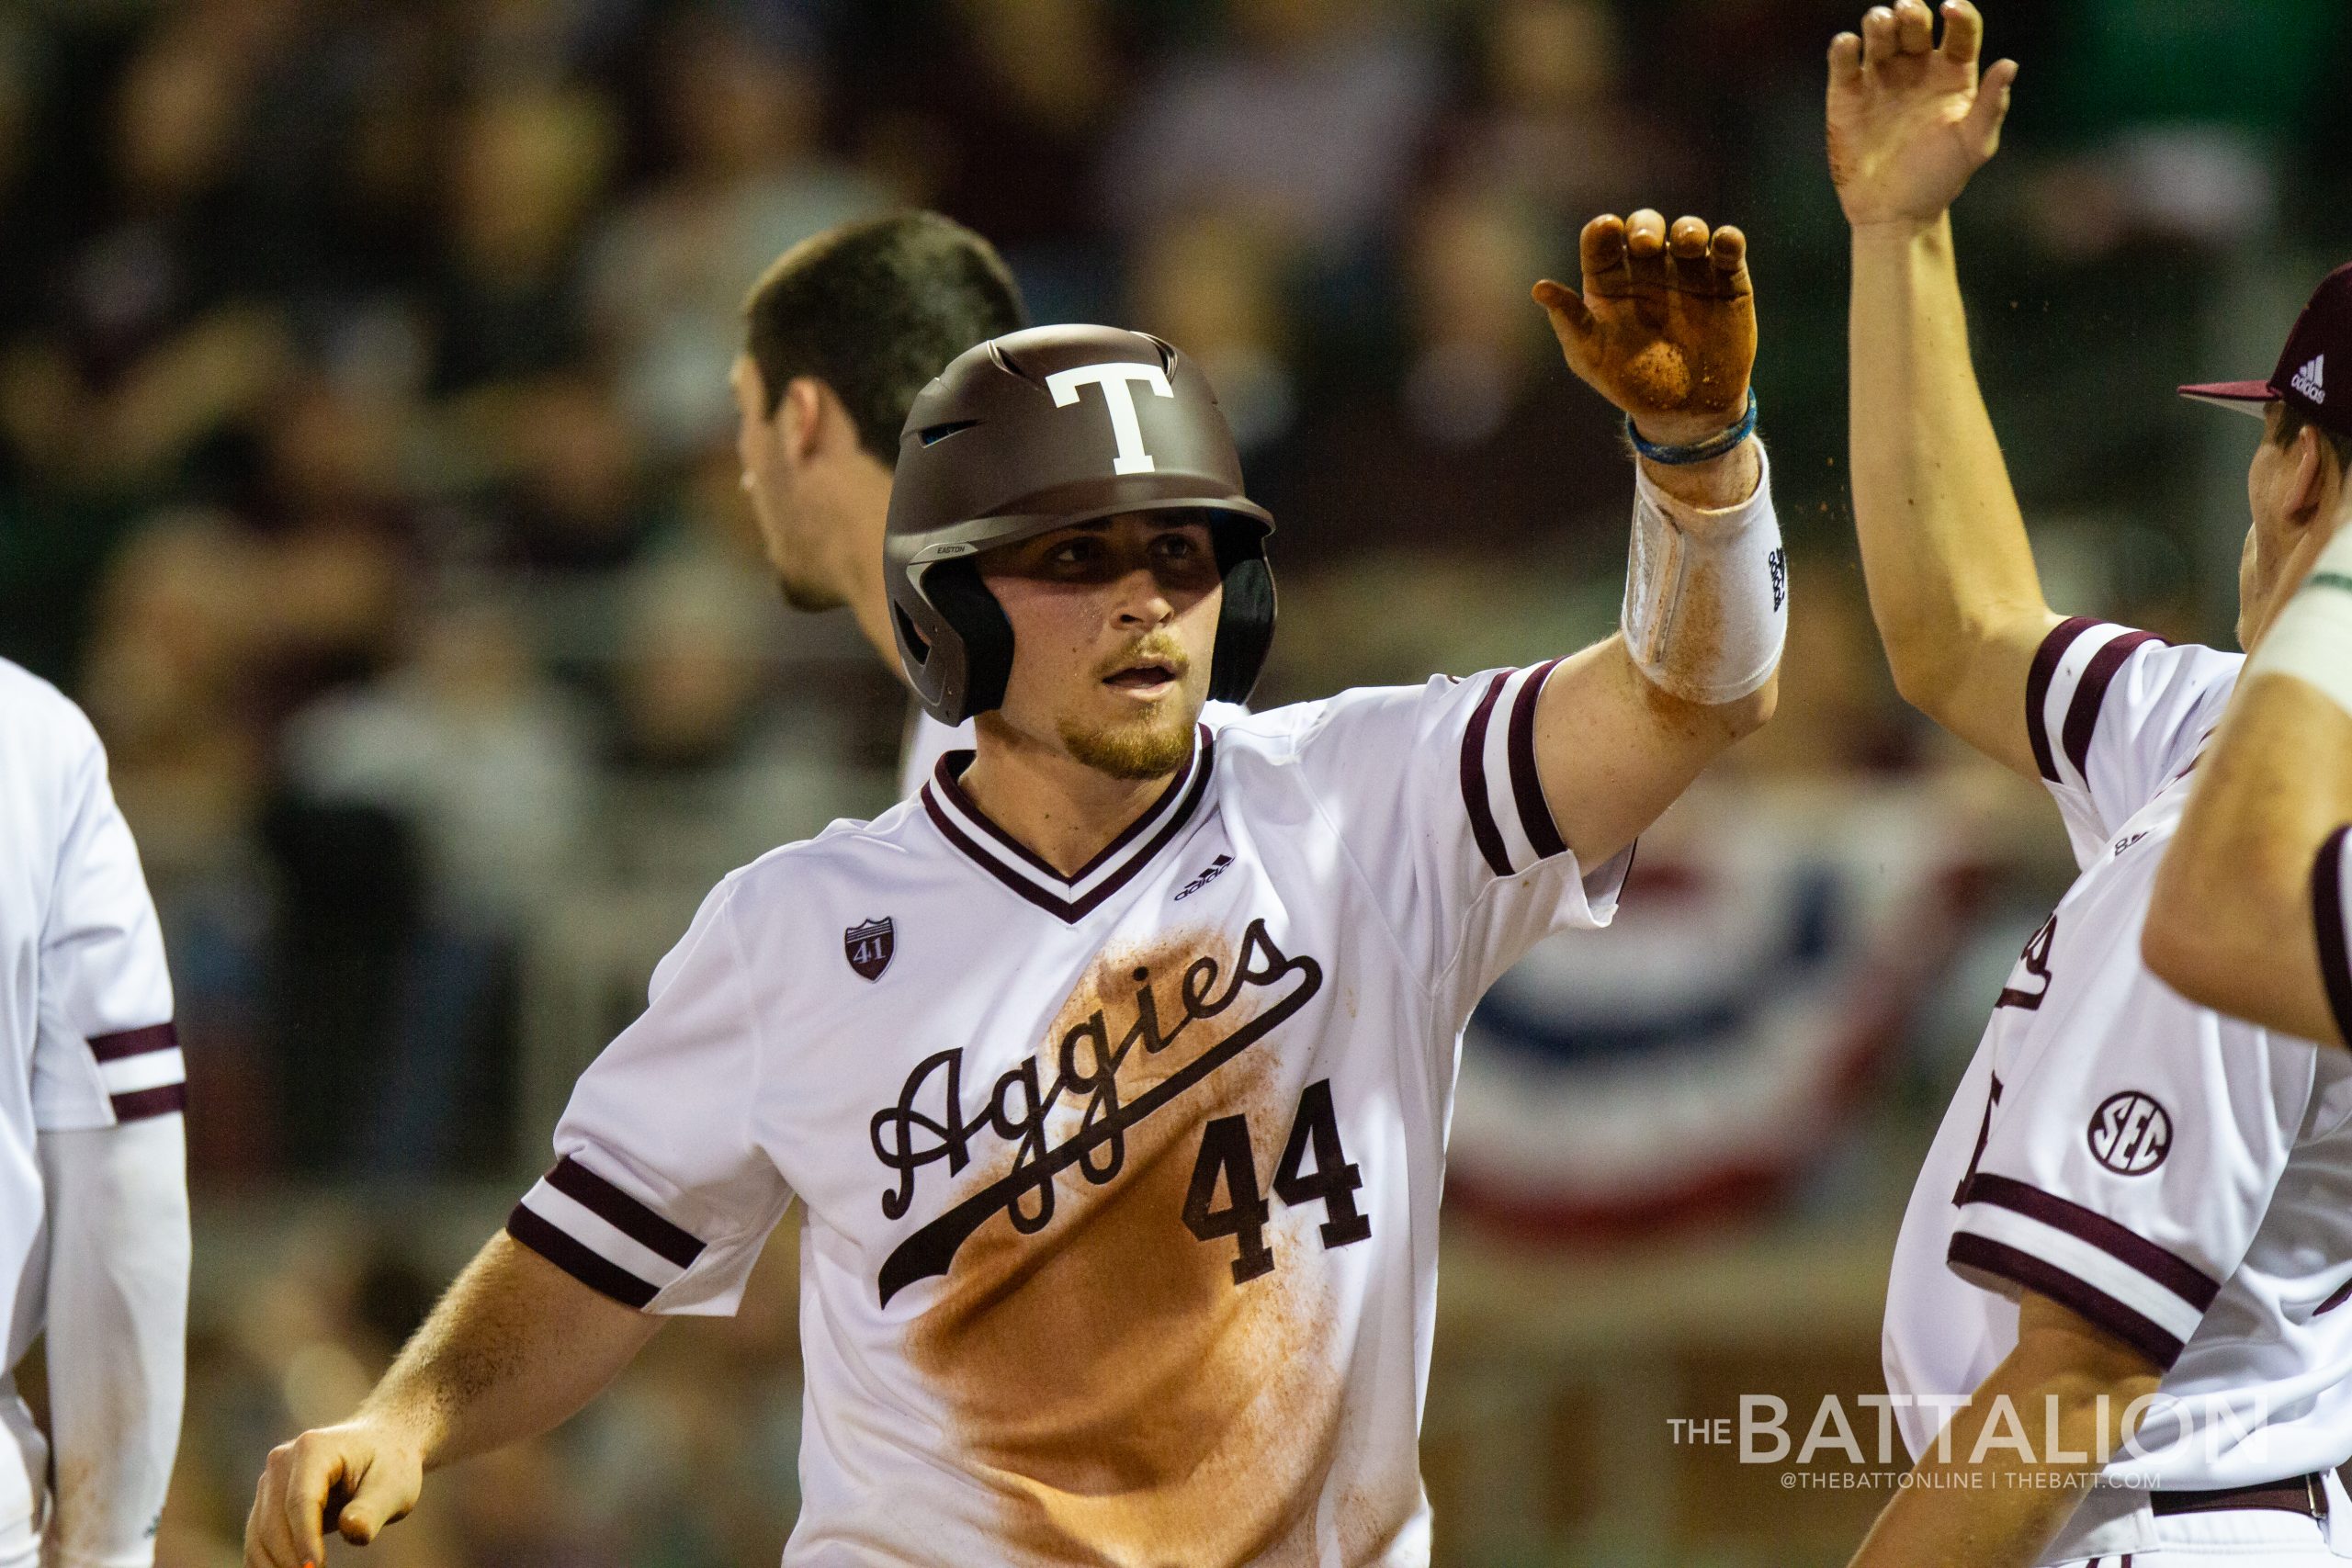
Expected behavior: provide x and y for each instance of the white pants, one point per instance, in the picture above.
(2231, 1537)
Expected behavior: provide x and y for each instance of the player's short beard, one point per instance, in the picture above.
(1149, 748)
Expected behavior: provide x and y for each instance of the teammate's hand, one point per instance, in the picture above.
(1910, 123)
(1665, 327)
(358, 1474)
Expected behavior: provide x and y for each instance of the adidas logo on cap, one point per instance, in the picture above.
(2309, 379)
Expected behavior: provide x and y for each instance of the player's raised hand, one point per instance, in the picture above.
(357, 1475)
(1665, 325)
(1910, 119)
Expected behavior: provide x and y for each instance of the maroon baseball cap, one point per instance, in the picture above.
(2322, 331)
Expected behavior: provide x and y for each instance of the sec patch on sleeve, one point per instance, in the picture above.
(2131, 1133)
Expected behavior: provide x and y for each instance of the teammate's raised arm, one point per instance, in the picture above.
(515, 1347)
(2249, 917)
(1664, 326)
(1951, 575)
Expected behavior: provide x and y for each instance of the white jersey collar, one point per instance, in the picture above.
(1069, 899)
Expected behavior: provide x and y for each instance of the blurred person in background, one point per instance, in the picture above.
(467, 757)
(160, 337)
(1305, 120)
(996, 111)
(1477, 445)
(577, 498)
(1214, 283)
(93, 1217)
(1549, 121)
(2128, 1228)
(748, 181)
(931, 1433)
(525, 168)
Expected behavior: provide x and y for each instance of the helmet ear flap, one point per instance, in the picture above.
(964, 601)
(1245, 629)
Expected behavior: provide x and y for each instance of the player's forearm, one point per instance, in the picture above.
(2232, 926)
(515, 1347)
(116, 1313)
(1619, 737)
(1943, 544)
(2002, 1508)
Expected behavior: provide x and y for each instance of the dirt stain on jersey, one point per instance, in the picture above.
(1133, 1405)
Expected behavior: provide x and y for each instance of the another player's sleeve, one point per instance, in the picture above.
(1435, 793)
(2124, 1175)
(662, 1193)
(2114, 715)
(105, 1050)
(2332, 919)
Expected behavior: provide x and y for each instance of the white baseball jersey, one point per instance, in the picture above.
(2180, 1177)
(86, 1005)
(1121, 1188)
(928, 740)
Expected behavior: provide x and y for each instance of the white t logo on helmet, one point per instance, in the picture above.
(1115, 379)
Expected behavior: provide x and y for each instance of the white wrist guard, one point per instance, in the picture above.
(2311, 639)
(1706, 593)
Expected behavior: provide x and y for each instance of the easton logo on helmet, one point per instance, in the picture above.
(1116, 381)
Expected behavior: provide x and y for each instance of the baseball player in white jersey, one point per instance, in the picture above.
(93, 1220)
(2127, 1255)
(1112, 1073)
(2254, 903)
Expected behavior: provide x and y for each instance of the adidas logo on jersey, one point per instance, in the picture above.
(2311, 380)
(1215, 869)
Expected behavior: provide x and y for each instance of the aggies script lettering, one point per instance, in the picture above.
(1086, 1067)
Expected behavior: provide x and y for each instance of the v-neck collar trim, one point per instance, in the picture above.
(1069, 899)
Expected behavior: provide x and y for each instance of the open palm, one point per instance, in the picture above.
(1909, 123)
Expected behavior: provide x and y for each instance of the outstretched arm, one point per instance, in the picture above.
(2250, 910)
(515, 1347)
(1664, 326)
(1952, 579)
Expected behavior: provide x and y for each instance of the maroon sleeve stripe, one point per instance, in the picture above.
(1474, 780)
(600, 1275)
(1984, 1257)
(623, 1213)
(1526, 784)
(2090, 693)
(2175, 1274)
(2327, 919)
(134, 1042)
(141, 1104)
(2037, 688)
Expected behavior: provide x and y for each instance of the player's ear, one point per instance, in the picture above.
(802, 415)
(2315, 480)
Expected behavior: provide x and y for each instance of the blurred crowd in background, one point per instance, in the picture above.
(367, 471)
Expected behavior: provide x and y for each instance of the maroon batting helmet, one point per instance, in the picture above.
(1038, 430)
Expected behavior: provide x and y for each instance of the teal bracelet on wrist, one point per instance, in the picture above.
(1705, 451)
